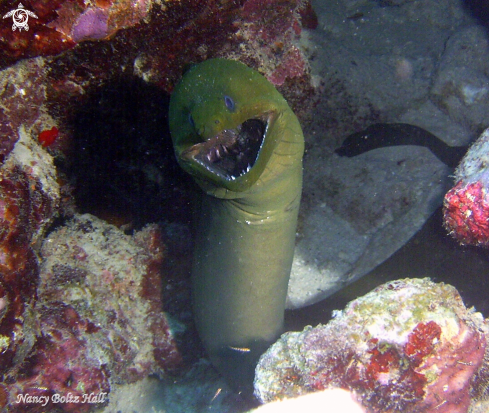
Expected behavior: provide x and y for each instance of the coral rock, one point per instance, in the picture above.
(99, 318)
(161, 37)
(29, 196)
(60, 367)
(466, 205)
(61, 24)
(409, 345)
(22, 98)
(113, 281)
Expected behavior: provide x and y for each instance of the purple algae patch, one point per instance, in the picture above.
(92, 25)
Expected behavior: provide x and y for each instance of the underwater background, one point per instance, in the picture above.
(96, 215)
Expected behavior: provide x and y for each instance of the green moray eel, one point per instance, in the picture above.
(237, 137)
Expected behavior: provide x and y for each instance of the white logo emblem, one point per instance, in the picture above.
(20, 17)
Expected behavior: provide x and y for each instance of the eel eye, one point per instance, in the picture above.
(229, 102)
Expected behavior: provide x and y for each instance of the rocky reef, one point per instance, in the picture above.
(155, 40)
(71, 324)
(82, 301)
(466, 205)
(409, 345)
(83, 97)
(59, 25)
(98, 318)
(113, 281)
(29, 197)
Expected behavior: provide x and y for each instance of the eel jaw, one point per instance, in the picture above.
(232, 153)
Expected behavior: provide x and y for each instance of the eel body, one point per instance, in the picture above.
(380, 135)
(238, 138)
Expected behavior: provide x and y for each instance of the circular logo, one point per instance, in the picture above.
(20, 17)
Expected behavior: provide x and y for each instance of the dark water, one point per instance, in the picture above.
(430, 253)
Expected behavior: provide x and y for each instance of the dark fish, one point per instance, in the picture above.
(380, 135)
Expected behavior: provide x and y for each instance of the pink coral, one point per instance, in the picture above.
(410, 346)
(92, 25)
(292, 65)
(466, 213)
(466, 205)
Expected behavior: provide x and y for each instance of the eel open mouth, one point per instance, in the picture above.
(232, 152)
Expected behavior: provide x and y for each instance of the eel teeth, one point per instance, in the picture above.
(232, 152)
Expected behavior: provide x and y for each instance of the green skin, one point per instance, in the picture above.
(246, 228)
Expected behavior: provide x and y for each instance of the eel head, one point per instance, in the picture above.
(224, 119)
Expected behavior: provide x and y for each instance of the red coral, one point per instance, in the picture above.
(389, 382)
(466, 213)
(382, 359)
(402, 385)
(422, 341)
(47, 137)
(393, 378)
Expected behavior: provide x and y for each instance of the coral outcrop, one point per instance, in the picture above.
(160, 38)
(29, 197)
(466, 205)
(410, 345)
(99, 315)
(112, 280)
(59, 25)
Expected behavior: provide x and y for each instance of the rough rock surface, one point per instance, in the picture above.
(461, 85)
(466, 205)
(113, 280)
(29, 197)
(409, 345)
(99, 318)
